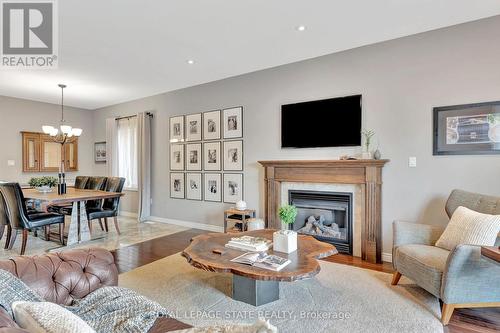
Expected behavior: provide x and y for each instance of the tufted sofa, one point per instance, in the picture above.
(65, 276)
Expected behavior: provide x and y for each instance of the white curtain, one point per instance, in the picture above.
(144, 165)
(127, 151)
(111, 147)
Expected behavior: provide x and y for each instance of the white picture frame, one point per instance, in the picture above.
(211, 125)
(100, 152)
(177, 186)
(212, 156)
(232, 153)
(194, 157)
(176, 157)
(193, 127)
(194, 186)
(177, 129)
(212, 187)
(233, 187)
(232, 122)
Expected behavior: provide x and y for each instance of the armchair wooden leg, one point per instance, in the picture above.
(446, 313)
(61, 233)
(115, 220)
(2, 229)
(395, 278)
(46, 230)
(89, 222)
(12, 239)
(106, 224)
(25, 240)
(7, 237)
(100, 224)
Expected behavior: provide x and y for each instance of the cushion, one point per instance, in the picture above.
(469, 227)
(46, 317)
(260, 326)
(424, 264)
(13, 289)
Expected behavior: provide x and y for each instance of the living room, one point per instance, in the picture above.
(181, 115)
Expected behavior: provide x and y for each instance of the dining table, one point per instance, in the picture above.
(78, 229)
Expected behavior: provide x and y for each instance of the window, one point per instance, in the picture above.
(127, 151)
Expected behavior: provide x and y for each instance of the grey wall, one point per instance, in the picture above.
(401, 81)
(18, 115)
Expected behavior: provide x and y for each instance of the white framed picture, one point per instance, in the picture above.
(194, 186)
(177, 157)
(232, 122)
(177, 190)
(193, 127)
(233, 155)
(211, 156)
(177, 129)
(193, 157)
(233, 187)
(212, 187)
(211, 125)
(100, 151)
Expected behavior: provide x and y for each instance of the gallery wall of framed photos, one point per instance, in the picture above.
(206, 156)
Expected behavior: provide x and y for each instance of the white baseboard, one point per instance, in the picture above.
(187, 224)
(387, 257)
(128, 214)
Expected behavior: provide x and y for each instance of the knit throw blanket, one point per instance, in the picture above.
(108, 309)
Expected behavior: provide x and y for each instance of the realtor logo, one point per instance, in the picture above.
(29, 34)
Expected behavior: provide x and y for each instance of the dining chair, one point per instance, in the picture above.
(80, 183)
(20, 219)
(4, 221)
(110, 206)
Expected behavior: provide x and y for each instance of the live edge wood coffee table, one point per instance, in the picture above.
(252, 285)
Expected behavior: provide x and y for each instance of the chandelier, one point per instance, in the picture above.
(64, 133)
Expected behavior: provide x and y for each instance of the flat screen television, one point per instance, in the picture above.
(333, 122)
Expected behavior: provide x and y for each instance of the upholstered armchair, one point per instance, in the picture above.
(461, 278)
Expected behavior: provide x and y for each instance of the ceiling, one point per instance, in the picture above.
(119, 50)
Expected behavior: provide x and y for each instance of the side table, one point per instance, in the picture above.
(236, 216)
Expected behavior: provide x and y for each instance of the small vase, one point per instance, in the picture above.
(377, 155)
(285, 241)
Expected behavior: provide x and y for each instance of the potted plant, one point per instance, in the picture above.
(368, 135)
(43, 184)
(285, 240)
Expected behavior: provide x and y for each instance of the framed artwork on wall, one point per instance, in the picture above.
(232, 122)
(194, 186)
(193, 157)
(100, 152)
(213, 187)
(177, 129)
(211, 156)
(233, 155)
(469, 129)
(177, 157)
(211, 125)
(177, 190)
(233, 187)
(193, 127)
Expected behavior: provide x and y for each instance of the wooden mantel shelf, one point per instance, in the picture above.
(366, 173)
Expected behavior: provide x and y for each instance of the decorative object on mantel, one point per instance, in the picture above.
(469, 129)
(43, 184)
(367, 137)
(377, 154)
(286, 240)
(65, 132)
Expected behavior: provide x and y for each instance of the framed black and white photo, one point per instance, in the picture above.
(100, 152)
(233, 187)
(232, 122)
(177, 157)
(194, 186)
(193, 157)
(233, 155)
(212, 156)
(193, 127)
(177, 185)
(212, 187)
(211, 125)
(470, 129)
(177, 129)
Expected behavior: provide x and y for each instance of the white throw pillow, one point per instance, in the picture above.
(46, 317)
(469, 227)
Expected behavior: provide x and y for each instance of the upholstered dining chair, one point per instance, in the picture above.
(4, 220)
(110, 206)
(80, 183)
(461, 278)
(19, 218)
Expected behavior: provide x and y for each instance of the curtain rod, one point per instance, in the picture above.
(133, 116)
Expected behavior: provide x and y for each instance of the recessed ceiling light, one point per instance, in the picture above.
(190, 61)
(301, 28)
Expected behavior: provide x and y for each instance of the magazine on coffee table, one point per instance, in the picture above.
(262, 260)
(249, 243)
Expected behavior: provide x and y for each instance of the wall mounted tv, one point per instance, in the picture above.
(334, 122)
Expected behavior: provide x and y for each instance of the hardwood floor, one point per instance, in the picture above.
(485, 320)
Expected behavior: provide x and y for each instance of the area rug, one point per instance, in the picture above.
(339, 299)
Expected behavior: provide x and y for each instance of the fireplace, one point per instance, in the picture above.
(325, 215)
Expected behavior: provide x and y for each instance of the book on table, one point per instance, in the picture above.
(249, 243)
(262, 260)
